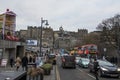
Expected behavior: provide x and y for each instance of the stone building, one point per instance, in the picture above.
(10, 45)
(81, 34)
(69, 39)
(34, 33)
(53, 39)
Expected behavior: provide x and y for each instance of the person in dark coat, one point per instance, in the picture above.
(96, 68)
(30, 59)
(24, 62)
(11, 62)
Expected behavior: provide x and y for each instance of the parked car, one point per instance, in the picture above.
(83, 62)
(68, 61)
(105, 68)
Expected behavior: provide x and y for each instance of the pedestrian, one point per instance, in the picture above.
(33, 59)
(30, 59)
(35, 72)
(32, 72)
(18, 63)
(37, 60)
(24, 62)
(11, 62)
(96, 68)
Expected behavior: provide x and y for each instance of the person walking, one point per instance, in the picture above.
(18, 63)
(37, 60)
(24, 62)
(11, 62)
(96, 68)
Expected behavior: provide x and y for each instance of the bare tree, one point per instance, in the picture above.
(110, 30)
(92, 38)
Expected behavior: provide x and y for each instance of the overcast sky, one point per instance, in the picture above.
(70, 14)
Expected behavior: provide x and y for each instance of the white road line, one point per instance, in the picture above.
(80, 70)
(87, 74)
(57, 73)
(91, 76)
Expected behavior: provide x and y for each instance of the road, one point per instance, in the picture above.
(77, 74)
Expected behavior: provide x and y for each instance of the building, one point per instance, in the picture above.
(10, 45)
(69, 39)
(33, 33)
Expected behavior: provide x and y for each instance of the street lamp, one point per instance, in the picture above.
(117, 26)
(117, 30)
(46, 23)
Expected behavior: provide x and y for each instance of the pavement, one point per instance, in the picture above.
(52, 76)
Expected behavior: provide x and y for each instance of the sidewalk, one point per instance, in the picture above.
(52, 76)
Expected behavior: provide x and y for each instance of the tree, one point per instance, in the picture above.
(110, 30)
(92, 38)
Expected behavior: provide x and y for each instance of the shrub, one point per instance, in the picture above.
(47, 68)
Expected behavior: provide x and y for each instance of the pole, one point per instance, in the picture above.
(41, 37)
(42, 21)
(118, 42)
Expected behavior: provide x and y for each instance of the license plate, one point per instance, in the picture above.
(113, 75)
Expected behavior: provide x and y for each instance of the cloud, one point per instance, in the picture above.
(71, 14)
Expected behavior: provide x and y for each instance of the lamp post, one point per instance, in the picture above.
(117, 30)
(46, 23)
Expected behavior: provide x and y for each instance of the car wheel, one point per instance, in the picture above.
(62, 65)
(74, 67)
(118, 77)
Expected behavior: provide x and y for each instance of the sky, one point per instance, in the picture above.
(70, 14)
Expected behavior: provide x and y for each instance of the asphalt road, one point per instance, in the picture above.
(78, 73)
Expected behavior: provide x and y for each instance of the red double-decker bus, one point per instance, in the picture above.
(88, 49)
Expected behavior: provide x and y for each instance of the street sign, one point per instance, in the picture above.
(4, 62)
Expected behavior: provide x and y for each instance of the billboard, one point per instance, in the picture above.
(32, 42)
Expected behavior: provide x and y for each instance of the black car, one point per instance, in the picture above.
(105, 68)
(68, 61)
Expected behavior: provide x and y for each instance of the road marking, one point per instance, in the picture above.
(80, 70)
(87, 74)
(91, 76)
(57, 73)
